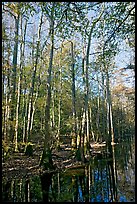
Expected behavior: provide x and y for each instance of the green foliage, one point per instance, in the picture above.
(72, 22)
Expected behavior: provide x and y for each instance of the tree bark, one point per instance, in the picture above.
(46, 159)
(19, 91)
(87, 80)
(17, 119)
(35, 99)
(103, 103)
(110, 130)
(33, 82)
(14, 69)
(6, 98)
(59, 101)
(74, 132)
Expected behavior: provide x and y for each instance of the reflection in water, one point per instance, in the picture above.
(46, 181)
(27, 190)
(107, 179)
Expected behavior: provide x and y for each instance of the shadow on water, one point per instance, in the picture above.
(107, 178)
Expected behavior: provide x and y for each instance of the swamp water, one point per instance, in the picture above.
(101, 180)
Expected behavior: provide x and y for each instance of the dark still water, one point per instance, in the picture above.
(102, 180)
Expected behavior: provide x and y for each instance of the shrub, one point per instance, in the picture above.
(5, 150)
(21, 147)
(29, 149)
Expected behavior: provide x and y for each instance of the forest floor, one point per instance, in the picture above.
(19, 165)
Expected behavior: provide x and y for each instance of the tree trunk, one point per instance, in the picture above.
(109, 113)
(46, 159)
(25, 112)
(14, 71)
(74, 132)
(17, 118)
(83, 138)
(59, 101)
(33, 82)
(6, 99)
(53, 105)
(98, 115)
(84, 82)
(80, 150)
(33, 105)
(21, 77)
(33, 111)
(103, 103)
(87, 81)
(19, 91)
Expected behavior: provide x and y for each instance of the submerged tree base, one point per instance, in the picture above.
(46, 160)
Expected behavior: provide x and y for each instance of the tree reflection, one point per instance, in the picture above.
(27, 190)
(46, 181)
(6, 191)
(112, 172)
(106, 179)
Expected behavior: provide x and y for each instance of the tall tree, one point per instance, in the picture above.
(74, 136)
(46, 159)
(31, 99)
(14, 10)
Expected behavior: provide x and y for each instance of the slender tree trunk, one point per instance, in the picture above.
(28, 120)
(121, 122)
(87, 85)
(6, 111)
(59, 118)
(25, 113)
(103, 103)
(84, 82)
(74, 132)
(85, 66)
(29, 98)
(91, 127)
(83, 139)
(109, 113)
(14, 71)
(87, 81)
(53, 96)
(46, 160)
(19, 90)
(53, 106)
(33, 105)
(17, 118)
(33, 111)
(59, 101)
(4, 100)
(21, 75)
(80, 151)
(98, 109)
(33, 82)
